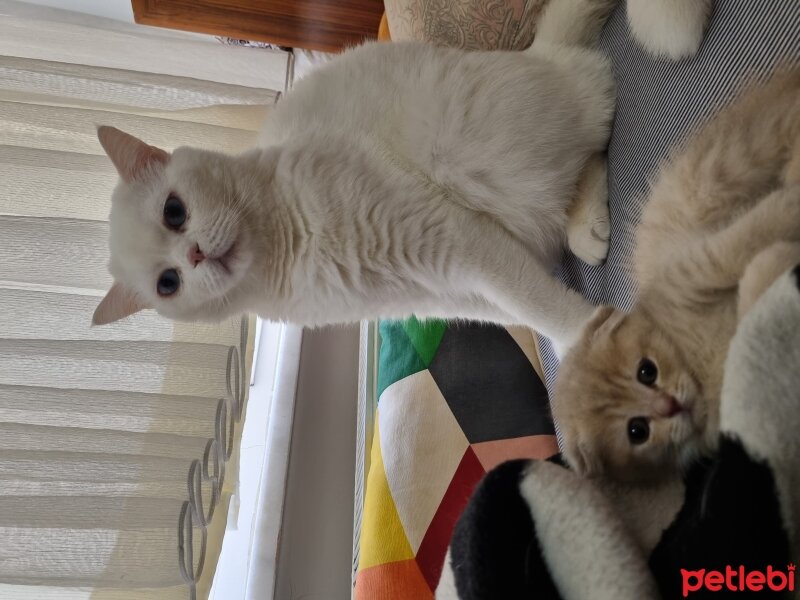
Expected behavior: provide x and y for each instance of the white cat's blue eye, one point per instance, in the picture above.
(168, 282)
(174, 212)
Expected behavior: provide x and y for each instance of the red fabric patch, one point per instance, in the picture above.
(433, 549)
(495, 452)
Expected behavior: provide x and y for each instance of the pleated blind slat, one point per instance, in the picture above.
(118, 444)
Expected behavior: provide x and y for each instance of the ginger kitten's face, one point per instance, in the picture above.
(626, 401)
(179, 236)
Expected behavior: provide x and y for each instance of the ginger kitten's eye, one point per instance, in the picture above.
(647, 372)
(174, 213)
(168, 282)
(638, 430)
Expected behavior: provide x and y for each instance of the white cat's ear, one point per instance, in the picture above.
(130, 155)
(117, 304)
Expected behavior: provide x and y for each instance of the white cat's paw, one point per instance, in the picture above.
(588, 239)
(589, 227)
(672, 28)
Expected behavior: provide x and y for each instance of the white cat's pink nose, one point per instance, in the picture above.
(196, 255)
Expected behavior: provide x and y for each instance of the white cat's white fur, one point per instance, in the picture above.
(397, 179)
(672, 28)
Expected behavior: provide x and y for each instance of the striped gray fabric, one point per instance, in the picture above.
(659, 103)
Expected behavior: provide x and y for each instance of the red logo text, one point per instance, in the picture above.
(738, 580)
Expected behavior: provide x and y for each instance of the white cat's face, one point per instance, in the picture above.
(179, 233)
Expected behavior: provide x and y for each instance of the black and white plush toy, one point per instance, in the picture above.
(535, 530)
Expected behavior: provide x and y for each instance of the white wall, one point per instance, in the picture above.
(315, 554)
(120, 10)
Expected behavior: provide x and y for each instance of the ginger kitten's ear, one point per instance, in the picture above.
(117, 304)
(600, 316)
(584, 461)
(130, 155)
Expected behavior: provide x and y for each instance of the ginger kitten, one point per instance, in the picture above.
(638, 396)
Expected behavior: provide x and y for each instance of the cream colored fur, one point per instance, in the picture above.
(724, 199)
(763, 270)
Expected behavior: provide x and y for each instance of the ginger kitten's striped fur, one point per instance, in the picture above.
(638, 396)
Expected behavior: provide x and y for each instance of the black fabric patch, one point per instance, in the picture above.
(494, 551)
(731, 516)
(490, 385)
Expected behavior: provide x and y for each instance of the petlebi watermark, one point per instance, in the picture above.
(739, 579)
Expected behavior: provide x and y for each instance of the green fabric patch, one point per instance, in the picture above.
(407, 347)
(425, 336)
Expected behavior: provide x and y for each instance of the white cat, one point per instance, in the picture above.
(397, 179)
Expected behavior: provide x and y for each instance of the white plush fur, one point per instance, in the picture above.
(672, 28)
(587, 548)
(761, 389)
(646, 509)
(446, 589)
(592, 544)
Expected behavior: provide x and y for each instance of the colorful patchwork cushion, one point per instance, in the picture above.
(454, 401)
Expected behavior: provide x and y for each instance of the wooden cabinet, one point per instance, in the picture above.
(328, 25)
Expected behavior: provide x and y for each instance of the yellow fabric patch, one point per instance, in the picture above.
(383, 539)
